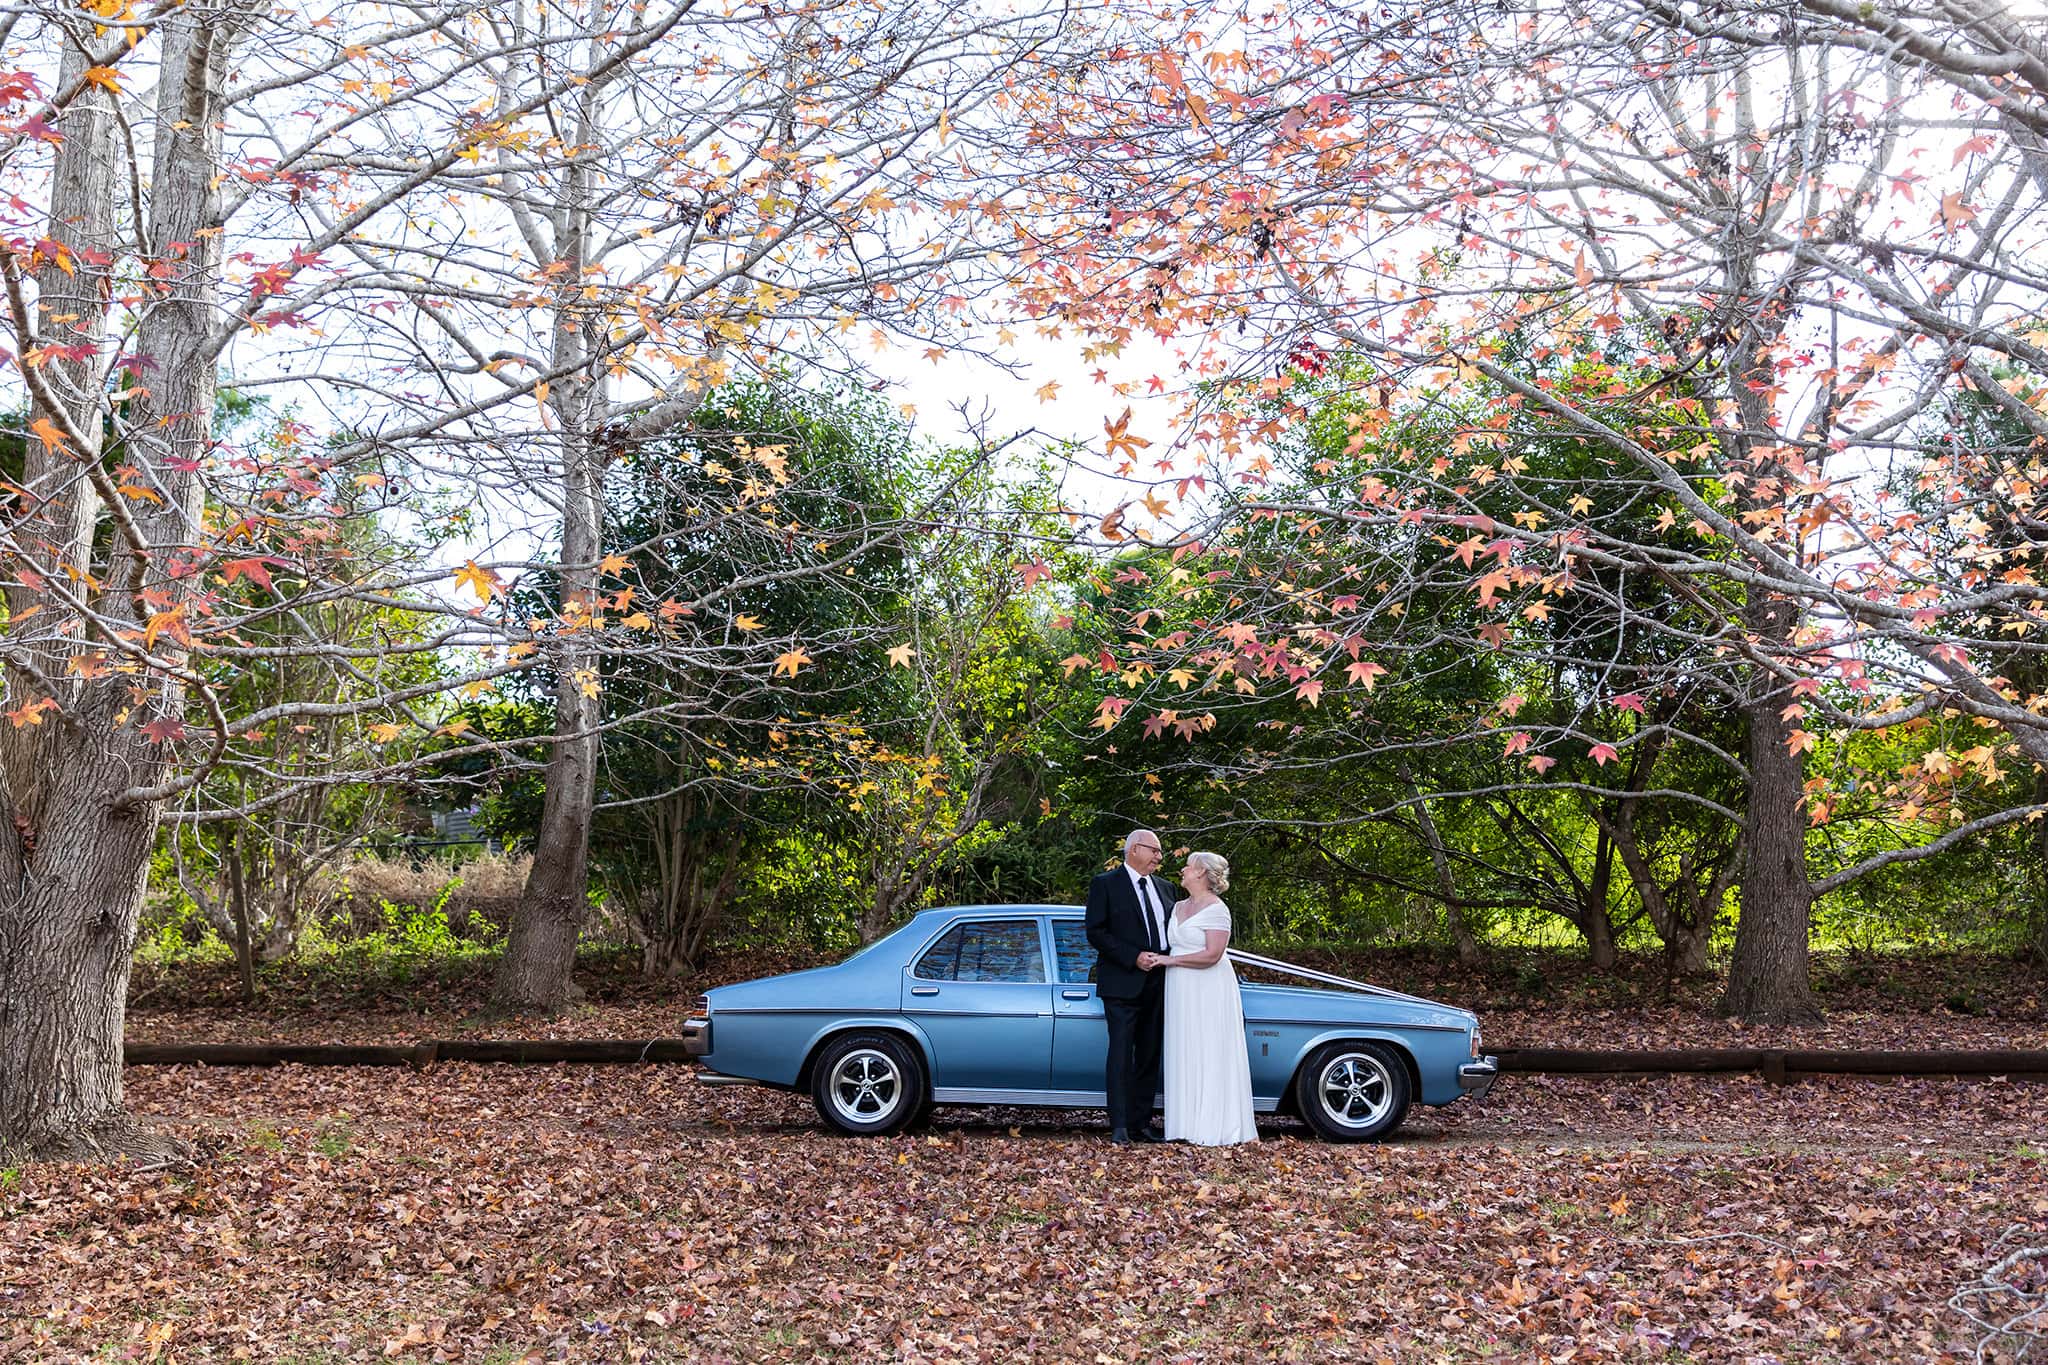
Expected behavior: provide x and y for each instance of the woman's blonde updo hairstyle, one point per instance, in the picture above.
(1215, 867)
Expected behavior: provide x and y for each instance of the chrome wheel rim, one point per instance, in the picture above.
(1356, 1090)
(866, 1086)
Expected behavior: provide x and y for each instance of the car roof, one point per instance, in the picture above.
(1023, 909)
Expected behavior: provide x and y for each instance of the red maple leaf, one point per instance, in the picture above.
(164, 730)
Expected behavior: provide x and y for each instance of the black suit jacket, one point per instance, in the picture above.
(1116, 929)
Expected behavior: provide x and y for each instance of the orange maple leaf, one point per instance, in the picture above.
(49, 434)
(1120, 438)
(484, 582)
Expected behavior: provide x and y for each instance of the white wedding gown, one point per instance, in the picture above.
(1204, 1070)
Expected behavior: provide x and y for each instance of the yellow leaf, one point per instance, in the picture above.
(789, 663)
(105, 78)
(613, 564)
(746, 623)
(482, 581)
(900, 656)
(386, 732)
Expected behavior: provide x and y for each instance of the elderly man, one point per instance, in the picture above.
(1128, 908)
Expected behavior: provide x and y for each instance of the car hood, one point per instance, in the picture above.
(1313, 1004)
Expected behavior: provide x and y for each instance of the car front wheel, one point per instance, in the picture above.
(868, 1084)
(1352, 1092)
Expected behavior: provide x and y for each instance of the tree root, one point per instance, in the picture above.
(119, 1137)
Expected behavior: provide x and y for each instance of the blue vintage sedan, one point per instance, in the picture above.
(995, 1004)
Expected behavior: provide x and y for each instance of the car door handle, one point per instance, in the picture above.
(924, 990)
(1075, 995)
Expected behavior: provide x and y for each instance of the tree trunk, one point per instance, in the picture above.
(1599, 931)
(238, 901)
(540, 947)
(1767, 977)
(65, 939)
(1594, 920)
(2038, 936)
(78, 805)
(1685, 949)
(73, 298)
(1685, 933)
(1466, 941)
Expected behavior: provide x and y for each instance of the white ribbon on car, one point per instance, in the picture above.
(1274, 964)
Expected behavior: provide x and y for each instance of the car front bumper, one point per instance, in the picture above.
(1476, 1078)
(697, 1037)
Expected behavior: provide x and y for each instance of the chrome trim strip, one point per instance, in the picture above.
(1050, 1099)
(836, 1010)
(950, 1094)
(976, 1014)
(719, 1078)
(1343, 1024)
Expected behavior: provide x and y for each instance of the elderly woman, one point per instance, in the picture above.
(1206, 1073)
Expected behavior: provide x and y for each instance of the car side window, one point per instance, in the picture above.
(985, 950)
(1076, 953)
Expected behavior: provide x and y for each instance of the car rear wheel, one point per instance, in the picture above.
(868, 1084)
(1353, 1092)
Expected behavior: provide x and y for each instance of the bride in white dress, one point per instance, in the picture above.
(1205, 1071)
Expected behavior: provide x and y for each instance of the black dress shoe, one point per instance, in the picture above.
(1120, 1138)
(1145, 1135)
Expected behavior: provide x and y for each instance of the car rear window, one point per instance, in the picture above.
(986, 950)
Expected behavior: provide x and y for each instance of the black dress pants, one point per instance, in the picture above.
(1131, 1074)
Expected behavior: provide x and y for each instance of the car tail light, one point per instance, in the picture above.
(1475, 1041)
(702, 1009)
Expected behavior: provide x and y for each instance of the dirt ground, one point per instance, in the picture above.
(589, 1213)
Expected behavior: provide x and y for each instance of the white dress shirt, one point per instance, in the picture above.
(1149, 902)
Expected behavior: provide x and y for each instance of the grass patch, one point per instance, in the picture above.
(334, 1139)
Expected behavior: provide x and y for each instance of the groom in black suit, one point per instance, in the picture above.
(1128, 908)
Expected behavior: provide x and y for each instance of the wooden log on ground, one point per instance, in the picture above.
(1566, 1061)
(534, 1051)
(584, 1051)
(270, 1054)
(1989, 1062)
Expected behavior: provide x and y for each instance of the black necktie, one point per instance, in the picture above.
(1151, 916)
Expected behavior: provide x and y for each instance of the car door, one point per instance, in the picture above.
(1080, 1039)
(979, 992)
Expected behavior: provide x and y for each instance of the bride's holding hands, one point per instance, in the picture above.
(1205, 1070)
